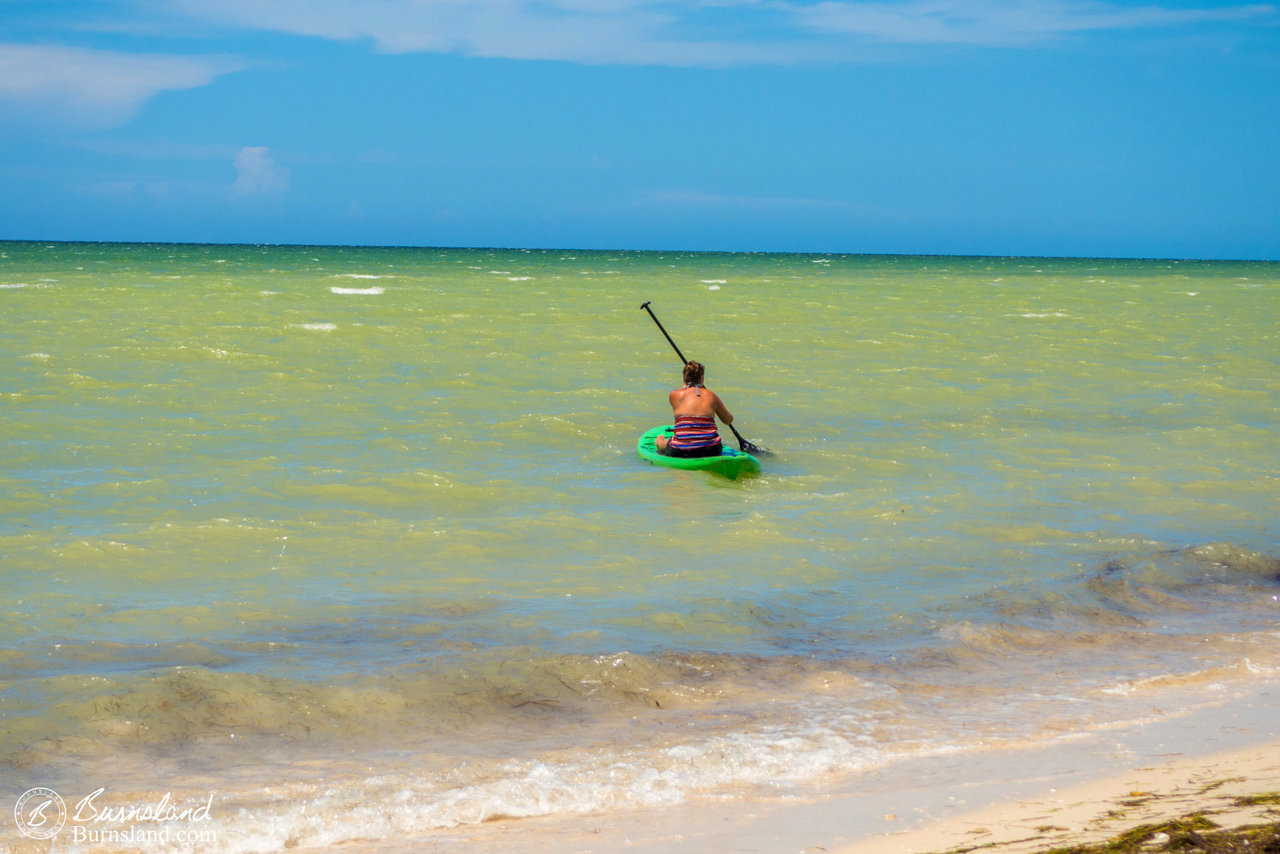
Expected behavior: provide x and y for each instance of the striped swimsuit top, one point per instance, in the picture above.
(695, 431)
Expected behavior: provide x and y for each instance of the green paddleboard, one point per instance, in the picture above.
(729, 464)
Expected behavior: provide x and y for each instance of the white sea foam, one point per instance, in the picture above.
(366, 809)
(360, 276)
(519, 278)
(319, 327)
(374, 291)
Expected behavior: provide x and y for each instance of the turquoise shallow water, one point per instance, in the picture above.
(370, 522)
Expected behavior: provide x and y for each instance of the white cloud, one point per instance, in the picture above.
(257, 173)
(586, 31)
(701, 32)
(1001, 22)
(94, 88)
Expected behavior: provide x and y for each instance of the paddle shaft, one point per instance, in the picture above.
(683, 360)
(742, 443)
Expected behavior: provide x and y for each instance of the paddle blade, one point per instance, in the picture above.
(749, 447)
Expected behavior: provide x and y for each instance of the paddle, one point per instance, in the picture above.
(746, 446)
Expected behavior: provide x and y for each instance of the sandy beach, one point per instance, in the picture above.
(1233, 789)
(1080, 789)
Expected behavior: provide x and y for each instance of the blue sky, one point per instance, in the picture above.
(1013, 127)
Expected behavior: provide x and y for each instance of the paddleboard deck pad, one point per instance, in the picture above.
(729, 464)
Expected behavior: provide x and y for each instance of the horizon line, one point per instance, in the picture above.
(638, 251)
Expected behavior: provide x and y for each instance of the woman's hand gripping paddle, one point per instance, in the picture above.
(747, 447)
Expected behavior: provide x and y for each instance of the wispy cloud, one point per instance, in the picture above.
(584, 31)
(1002, 22)
(693, 198)
(91, 88)
(701, 32)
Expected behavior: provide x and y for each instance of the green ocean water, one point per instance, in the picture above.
(365, 519)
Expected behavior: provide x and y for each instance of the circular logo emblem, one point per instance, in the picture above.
(40, 813)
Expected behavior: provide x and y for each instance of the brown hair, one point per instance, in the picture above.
(693, 373)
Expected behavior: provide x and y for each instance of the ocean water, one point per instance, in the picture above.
(353, 543)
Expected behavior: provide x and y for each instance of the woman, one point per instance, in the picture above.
(695, 408)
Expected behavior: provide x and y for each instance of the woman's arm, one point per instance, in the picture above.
(722, 411)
